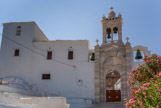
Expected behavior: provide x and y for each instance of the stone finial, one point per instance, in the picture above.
(127, 38)
(111, 8)
(128, 44)
(120, 16)
(104, 17)
(97, 42)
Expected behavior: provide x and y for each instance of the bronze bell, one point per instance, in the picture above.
(138, 55)
(93, 57)
(109, 36)
(115, 30)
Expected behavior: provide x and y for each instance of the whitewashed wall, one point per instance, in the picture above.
(30, 66)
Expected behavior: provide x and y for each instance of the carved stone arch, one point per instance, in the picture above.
(121, 55)
(104, 56)
(114, 59)
(114, 53)
(113, 63)
(109, 70)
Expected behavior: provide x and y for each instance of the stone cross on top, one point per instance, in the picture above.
(111, 8)
(127, 38)
(97, 42)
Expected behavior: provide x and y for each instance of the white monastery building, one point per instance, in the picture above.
(70, 68)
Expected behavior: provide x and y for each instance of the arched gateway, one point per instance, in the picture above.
(113, 87)
(113, 62)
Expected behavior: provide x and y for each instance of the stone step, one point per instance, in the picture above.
(5, 88)
(109, 105)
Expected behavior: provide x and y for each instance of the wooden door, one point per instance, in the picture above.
(113, 95)
(113, 92)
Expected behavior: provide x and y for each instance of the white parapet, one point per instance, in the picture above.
(8, 100)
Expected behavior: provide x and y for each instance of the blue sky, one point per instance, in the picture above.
(81, 19)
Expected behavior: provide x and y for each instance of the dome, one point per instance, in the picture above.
(112, 13)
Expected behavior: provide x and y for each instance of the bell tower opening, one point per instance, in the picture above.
(108, 34)
(115, 34)
(112, 28)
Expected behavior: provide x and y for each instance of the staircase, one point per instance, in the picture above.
(16, 98)
(109, 105)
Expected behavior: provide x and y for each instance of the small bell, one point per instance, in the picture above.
(109, 37)
(93, 57)
(115, 30)
(138, 55)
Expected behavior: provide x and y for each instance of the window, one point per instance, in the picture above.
(17, 52)
(45, 76)
(49, 55)
(18, 31)
(70, 55)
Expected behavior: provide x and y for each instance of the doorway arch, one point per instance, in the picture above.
(113, 86)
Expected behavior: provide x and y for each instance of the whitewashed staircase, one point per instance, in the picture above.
(16, 98)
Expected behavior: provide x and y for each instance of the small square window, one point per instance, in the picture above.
(17, 52)
(70, 55)
(49, 55)
(46, 76)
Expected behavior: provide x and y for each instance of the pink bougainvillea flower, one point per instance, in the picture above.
(144, 93)
(156, 82)
(125, 99)
(159, 73)
(146, 84)
(132, 101)
(148, 61)
(137, 91)
(145, 56)
(137, 67)
(155, 76)
(127, 104)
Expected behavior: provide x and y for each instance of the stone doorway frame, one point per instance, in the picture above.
(100, 87)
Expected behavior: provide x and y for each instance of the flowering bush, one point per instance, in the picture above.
(145, 84)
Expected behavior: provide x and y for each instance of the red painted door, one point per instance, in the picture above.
(113, 95)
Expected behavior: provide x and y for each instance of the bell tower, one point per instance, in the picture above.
(112, 28)
(113, 61)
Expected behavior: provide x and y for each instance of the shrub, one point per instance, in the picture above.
(145, 82)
